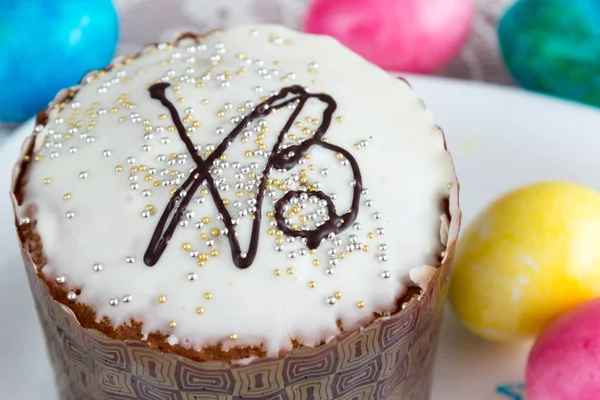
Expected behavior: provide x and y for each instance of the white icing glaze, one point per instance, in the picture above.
(245, 361)
(444, 229)
(422, 275)
(404, 166)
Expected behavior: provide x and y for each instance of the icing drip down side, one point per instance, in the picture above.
(249, 187)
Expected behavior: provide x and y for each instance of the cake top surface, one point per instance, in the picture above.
(256, 186)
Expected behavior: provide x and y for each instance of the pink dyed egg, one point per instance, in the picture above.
(418, 36)
(564, 363)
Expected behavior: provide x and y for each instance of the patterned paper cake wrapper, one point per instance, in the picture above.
(392, 358)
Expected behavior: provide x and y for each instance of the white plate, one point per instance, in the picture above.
(501, 138)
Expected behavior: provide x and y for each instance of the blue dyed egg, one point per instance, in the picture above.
(553, 46)
(47, 45)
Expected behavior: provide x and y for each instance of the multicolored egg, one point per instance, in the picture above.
(530, 256)
(398, 35)
(552, 46)
(47, 45)
(564, 362)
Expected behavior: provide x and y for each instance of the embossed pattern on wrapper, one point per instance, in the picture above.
(390, 359)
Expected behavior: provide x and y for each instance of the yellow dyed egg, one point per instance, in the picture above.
(530, 256)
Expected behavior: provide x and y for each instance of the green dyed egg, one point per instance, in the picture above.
(553, 46)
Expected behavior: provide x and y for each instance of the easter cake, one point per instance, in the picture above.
(255, 213)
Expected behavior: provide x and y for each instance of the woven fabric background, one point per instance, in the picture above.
(144, 21)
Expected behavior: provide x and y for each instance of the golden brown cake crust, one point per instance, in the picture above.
(87, 317)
